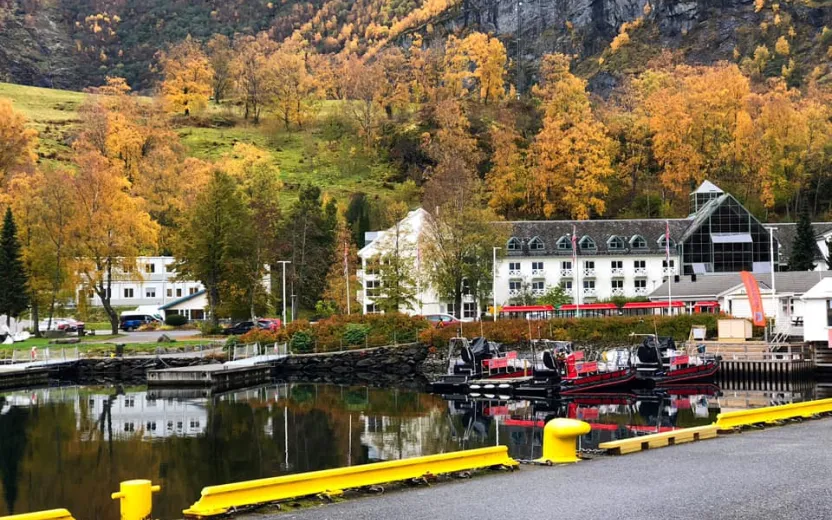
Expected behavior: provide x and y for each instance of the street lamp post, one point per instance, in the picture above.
(773, 284)
(494, 282)
(283, 286)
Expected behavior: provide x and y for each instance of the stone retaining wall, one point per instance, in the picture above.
(127, 369)
(393, 360)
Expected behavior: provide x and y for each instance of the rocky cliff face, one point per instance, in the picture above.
(35, 48)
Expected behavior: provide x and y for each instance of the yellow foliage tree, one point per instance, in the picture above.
(507, 182)
(782, 47)
(571, 161)
(188, 78)
(293, 89)
(18, 143)
(489, 58)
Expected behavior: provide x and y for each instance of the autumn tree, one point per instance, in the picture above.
(252, 74)
(344, 265)
(489, 58)
(293, 88)
(508, 180)
(363, 85)
(111, 227)
(188, 77)
(14, 293)
(18, 143)
(209, 248)
(220, 55)
(571, 154)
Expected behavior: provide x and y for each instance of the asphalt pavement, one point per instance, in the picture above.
(778, 473)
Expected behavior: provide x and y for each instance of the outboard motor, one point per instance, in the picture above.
(550, 372)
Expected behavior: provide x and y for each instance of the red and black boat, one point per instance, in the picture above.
(660, 364)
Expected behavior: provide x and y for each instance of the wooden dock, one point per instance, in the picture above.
(216, 377)
(761, 363)
(20, 376)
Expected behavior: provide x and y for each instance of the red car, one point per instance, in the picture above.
(271, 324)
(441, 320)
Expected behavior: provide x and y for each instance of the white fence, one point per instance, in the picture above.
(39, 356)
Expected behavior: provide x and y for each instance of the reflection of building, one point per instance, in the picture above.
(155, 418)
(388, 438)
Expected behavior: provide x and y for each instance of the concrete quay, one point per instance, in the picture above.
(780, 472)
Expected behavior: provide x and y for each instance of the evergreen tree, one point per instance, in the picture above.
(804, 248)
(358, 217)
(14, 295)
(829, 254)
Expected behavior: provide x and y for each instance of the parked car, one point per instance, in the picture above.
(63, 324)
(271, 324)
(132, 321)
(245, 326)
(441, 320)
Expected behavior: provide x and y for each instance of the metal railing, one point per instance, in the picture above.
(589, 272)
(640, 291)
(589, 292)
(617, 271)
(566, 273)
(640, 271)
(538, 272)
(514, 272)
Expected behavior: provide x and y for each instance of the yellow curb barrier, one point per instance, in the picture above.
(51, 514)
(659, 440)
(216, 500)
(770, 414)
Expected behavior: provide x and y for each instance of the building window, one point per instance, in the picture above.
(566, 265)
(170, 293)
(638, 242)
(469, 310)
(661, 241)
(451, 309)
(665, 265)
(566, 285)
(150, 268)
(371, 288)
(372, 309)
(617, 264)
(619, 284)
(536, 244)
(589, 264)
(514, 267)
(179, 292)
(537, 266)
(128, 292)
(829, 313)
(640, 264)
(192, 290)
(514, 244)
(589, 284)
(641, 284)
(587, 244)
(538, 286)
(564, 243)
(514, 286)
(150, 292)
(615, 243)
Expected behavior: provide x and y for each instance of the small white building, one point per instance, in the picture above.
(817, 313)
(194, 306)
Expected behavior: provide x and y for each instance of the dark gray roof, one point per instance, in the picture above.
(550, 231)
(786, 233)
(183, 299)
(709, 286)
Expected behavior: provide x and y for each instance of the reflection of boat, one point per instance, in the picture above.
(660, 364)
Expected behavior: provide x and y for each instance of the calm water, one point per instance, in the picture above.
(70, 447)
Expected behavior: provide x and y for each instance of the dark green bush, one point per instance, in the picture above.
(356, 333)
(301, 342)
(175, 320)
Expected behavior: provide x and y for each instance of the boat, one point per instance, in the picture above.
(660, 364)
(483, 367)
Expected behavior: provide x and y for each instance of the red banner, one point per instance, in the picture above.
(758, 317)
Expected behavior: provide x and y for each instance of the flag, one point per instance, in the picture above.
(346, 259)
(667, 242)
(752, 289)
(575, 244)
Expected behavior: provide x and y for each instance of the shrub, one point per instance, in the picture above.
(301, 342)
(209, 329)
(176, 320)
(259, 336)
(356, 333)
(231, 342)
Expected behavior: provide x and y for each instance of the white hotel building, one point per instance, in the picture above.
(614, 258)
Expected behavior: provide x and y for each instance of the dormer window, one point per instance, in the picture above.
(638, 242)
(564, 243)
(615, 243)
(536, 244)
(587, 244)
(661, 241)
(514, 244)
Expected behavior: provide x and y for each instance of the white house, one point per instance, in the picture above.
(192, 306)
(817, 312)
(153, 283)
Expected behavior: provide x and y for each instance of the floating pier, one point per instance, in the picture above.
(216, 377)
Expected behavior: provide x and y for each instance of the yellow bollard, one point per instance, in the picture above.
(136, 500)
(559, 440)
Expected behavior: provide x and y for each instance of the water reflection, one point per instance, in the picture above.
(71, 446)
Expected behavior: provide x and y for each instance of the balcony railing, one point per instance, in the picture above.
(566, 273)
(589, 272)
(539, 273)
(589, 291)
(641, 291)
(668, 271)
(513, 292)
(515, 273)
(538, 292)
(618, 271)
(641, 271)
(617, 292)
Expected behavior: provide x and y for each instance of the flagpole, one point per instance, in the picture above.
(577, 269)
(347, 273)
(669, 269)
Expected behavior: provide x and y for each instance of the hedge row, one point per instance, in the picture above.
(590, 330)
(343, 332)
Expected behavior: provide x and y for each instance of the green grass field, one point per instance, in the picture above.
(101, 345)
(304, 156)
